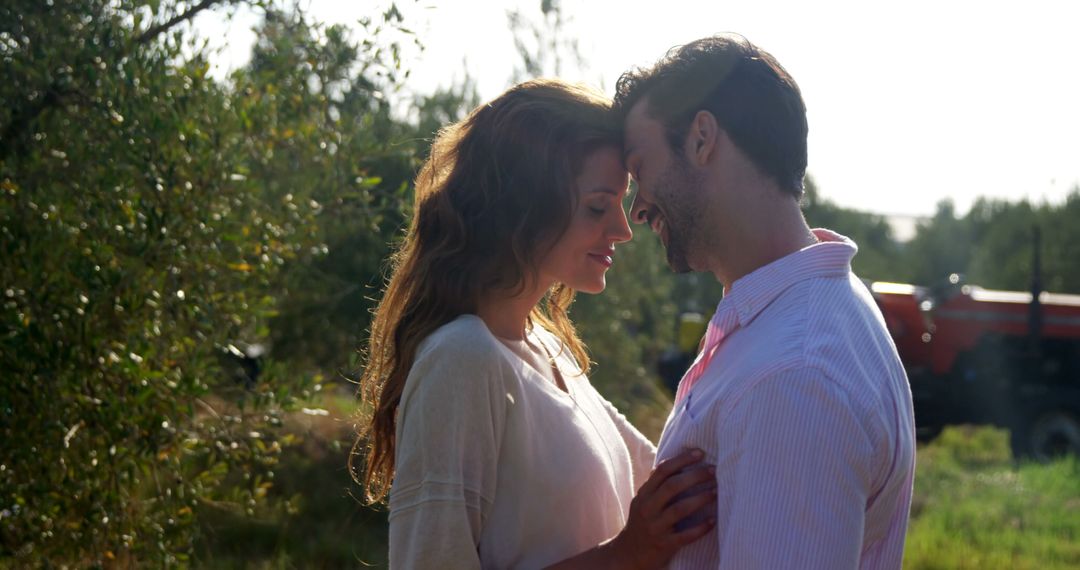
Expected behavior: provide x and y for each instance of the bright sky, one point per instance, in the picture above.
(909, 102)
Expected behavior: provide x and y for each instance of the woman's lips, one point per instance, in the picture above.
(602, 259)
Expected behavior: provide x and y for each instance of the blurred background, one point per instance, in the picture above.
(197, 200)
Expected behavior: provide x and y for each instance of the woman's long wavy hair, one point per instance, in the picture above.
(495, 194)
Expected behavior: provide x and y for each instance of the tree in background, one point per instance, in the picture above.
(152, 222)
(1061, 244)
(941, 246)
(316, 109)
(992, 245)
(542, 42)
(1002, 249)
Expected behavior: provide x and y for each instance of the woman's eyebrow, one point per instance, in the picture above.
(605, 190)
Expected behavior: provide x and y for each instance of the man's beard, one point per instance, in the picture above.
(681, 193)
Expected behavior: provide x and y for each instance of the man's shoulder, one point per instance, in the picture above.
(845, 321)
(847, 293)
(830, 325)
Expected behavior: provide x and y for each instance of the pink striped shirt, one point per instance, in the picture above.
(805, 410)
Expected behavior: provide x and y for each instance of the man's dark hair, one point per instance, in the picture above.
(752, 96)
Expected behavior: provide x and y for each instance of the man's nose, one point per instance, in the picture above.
(639, 209)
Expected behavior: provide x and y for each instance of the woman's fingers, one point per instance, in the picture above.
(698, 530)
(689, 511)
(654, 529)
(681, 484)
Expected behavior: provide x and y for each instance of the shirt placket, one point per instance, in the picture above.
(720, 326)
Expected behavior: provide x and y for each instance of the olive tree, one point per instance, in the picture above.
(136, 252)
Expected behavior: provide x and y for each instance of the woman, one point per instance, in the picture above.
(501, 453)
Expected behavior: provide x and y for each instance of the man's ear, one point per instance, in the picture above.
(702, 138)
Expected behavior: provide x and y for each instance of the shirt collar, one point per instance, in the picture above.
(750, 294)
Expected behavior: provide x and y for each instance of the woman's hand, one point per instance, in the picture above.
(675, 507)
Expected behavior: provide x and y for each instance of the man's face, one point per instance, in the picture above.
(669, 195)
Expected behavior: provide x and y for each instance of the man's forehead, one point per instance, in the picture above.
(637, 126)
(639, 113)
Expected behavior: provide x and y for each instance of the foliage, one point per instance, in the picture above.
(133, 250)
(316, 116)
(149, 217)
(992, 244)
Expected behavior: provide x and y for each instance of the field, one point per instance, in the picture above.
(974, 508)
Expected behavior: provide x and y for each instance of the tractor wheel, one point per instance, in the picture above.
(1052, 435)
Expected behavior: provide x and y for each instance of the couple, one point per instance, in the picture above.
(791, 444)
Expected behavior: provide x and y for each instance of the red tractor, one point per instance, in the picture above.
(975, 355)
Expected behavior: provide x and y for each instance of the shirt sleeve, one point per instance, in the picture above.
(795, 470)
(449, 431)
(642, 451)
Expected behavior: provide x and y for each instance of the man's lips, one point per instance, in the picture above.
(657, 222)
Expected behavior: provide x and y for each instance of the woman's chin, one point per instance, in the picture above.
(593, 288)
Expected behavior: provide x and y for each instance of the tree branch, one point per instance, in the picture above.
(163, 27)
(55, 94)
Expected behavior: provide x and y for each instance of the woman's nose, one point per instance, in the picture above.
(620, 230)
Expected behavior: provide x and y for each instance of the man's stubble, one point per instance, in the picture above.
(682, 196)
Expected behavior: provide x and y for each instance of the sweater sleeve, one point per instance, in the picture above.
(449, 431)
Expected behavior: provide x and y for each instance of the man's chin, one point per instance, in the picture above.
(680, 269)
(676, 260)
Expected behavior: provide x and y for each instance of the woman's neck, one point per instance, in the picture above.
(506, 315)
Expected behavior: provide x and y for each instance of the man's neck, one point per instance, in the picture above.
(764, 238)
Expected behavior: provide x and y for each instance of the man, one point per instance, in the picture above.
(798, 396)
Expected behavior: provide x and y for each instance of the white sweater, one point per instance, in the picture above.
(496, 467)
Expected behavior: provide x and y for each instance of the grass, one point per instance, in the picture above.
(974, 507)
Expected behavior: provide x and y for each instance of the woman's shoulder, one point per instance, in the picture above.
(459, 357)
(466, 336)
(464, 342)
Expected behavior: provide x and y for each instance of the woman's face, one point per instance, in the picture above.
(582, 255)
